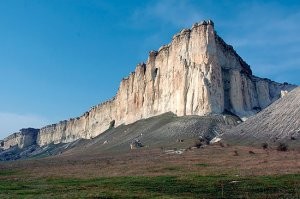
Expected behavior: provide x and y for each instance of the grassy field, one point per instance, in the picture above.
(211, 172)
(187, 186)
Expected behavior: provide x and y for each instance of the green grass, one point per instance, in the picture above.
(201, 165)
(8, 172)
(189, 186)
(172, 168)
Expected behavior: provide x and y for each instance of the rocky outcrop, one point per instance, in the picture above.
(196, 74)
(135, 144)
(23, 138)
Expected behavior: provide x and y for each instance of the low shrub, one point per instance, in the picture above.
(235, 153)
(282, 147)
(198, 143)
(293, 138)
(264, 145)
(221, 144)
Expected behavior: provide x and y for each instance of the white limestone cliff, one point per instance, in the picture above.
(23, 138)
(196, 74)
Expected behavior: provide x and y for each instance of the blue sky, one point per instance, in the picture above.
(60, 57)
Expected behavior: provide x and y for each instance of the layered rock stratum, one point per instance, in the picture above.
(197, 73)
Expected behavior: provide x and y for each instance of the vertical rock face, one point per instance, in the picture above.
(196, 74)
(24, 138)
(244, 94)
(183, 77)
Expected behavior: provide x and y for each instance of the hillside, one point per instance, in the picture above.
(166, 131)
(280, 122)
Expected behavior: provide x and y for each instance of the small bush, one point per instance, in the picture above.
(293, 138)
(264, 145)
(221, 144)
(198, 144)
(235, 153)
(282, 147)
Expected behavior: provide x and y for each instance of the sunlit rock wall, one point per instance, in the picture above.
(23, 138)
(196, 74)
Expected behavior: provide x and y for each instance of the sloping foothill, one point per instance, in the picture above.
(276, 126)
(164, 131)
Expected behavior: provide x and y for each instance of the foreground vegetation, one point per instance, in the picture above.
(13, 184)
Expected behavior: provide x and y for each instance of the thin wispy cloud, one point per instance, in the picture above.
(12, 122)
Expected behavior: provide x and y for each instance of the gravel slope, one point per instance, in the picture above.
(163, 131)
(166, 131)
(280, 122)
